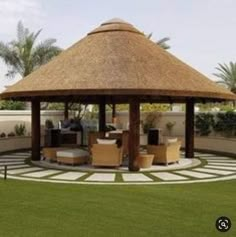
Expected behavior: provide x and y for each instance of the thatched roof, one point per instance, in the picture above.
(116, 58)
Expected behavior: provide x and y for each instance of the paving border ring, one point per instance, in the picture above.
(213, 168)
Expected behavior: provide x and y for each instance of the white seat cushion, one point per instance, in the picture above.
(106, 141)
(72, 153)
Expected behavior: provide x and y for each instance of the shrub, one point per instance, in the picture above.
(226, 123)
(11, 105)
(11, 134)
(20, 130)
(3, 134)
(204, 123)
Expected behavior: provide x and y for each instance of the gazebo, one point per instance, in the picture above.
(115, 63)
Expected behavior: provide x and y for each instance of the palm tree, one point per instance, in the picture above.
(227, 74)
(23, 56)
(162, 42)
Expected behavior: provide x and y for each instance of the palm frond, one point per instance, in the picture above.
(227, 74)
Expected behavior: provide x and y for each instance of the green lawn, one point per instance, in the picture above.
(43, 209)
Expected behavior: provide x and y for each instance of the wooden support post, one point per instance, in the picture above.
(134, 121)
(66, 111)
(35, 127)
(113, 113)
(102, 114)
(189, 129)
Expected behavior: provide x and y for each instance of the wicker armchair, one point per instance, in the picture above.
(165, 153)
(106, 155)
(92, 138)
(124, 138)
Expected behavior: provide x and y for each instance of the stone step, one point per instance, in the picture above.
(101, 177)
(195, 174)
(11, 159)
(69, 175)
(11, 163)
(24, 170)
(214, 171)
(41, 174)
(14, 167)
(168, 176)
(220, 167)
(223, 161)
(221, 164)
(136, 178)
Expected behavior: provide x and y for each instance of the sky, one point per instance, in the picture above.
(202, 32)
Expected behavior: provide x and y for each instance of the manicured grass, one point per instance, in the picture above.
(32, 209)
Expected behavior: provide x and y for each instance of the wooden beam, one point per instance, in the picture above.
(35, 129)
(134, 122)
(102, 114)
(66, 111)
(189, 129)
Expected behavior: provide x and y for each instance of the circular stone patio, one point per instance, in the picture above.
(204, 168)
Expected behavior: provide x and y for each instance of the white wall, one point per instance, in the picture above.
(9, 118)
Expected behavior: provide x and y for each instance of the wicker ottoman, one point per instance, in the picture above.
(50, 153)
(145, 160)
(72, 157)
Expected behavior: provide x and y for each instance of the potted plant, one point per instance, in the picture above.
(49, 124)
(169, 127)
(20, 130)
(151, 121)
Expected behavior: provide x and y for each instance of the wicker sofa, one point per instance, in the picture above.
(106, 155)
(166, 153)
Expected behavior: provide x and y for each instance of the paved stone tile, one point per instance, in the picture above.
(220, 167)
(13, 156)
(216, 158)
(24, 170)
(40, 174)
(221, 164)
(169, 176)
(69, 175)
(194, 174)
(15, 167)
(214, 171)
(223, 161)
(11, 159)
(135, 177)
(11, 163)
(102, 177)
(21, 154)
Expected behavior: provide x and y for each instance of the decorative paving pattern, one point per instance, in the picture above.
(136, 177)
(168, 176)
(42, 173)
(101, 177)
(214, 168)
(70, 175)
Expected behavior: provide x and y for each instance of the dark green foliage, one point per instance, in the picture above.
(226, 123)
(11, 134)
(23, 55)
(2, 135)
(49, 124)
(11, 105)
(204, 123)
(20, 130)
